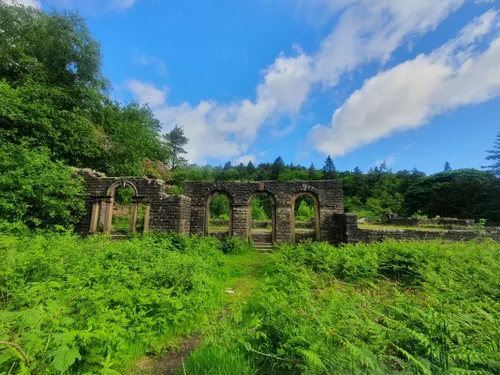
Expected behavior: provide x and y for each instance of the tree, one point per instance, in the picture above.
(447, 166)
(311, 172)
(494, 157)
(37, 191)
(228, 166)
(278, 167)
(329, 170)
(176, 141)
(357, 171)
(250, 169)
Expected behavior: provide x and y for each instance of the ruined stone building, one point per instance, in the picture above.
(189, 213)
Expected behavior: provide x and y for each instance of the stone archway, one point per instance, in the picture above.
(106, 205)
(207, 212)
(262, 235)
(316, 219)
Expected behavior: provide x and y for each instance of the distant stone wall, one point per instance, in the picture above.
(446, 222)
(346, 231)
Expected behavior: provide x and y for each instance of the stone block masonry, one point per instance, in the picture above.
(190, 213)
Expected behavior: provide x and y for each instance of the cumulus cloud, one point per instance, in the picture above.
(146, 93)
(410, 94)
(29, 3)
(366, 31)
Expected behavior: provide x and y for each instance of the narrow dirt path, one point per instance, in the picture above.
(245, 272)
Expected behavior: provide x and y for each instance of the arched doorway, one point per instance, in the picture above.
(305, 217)
(122, 212)
(261, 219)
(219, 219)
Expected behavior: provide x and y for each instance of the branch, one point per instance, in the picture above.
(18, 348)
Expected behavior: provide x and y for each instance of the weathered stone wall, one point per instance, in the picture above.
(167, 213)
(328, 196)
(346, 230)
(446, 222)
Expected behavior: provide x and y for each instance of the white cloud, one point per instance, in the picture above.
(410, 94)
(146, 93)
(389, 161)
(29, 3)
(366, 31)
(156, 62)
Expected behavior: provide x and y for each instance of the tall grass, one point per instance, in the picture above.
(392, 307)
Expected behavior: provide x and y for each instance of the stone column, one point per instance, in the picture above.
(94, 218)
(146, 217)
(239, 220)
(108, 220)
(283, 223)
(133, 217)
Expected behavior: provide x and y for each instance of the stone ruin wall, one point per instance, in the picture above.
(188, 213)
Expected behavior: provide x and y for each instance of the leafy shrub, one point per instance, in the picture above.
(93, 305)
(37, 191)
(236, 245)
(391, 307)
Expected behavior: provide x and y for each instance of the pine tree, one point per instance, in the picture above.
(228, 166)
(329, 170)
(311, 172)
(357, 171)
(176, 140)
(494, 157)
(250, 168)
(447, 166)
(277, 168)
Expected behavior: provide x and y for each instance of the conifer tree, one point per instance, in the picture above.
(176, 141)
(494, 157)
(447, 166)
(311, 172)
(329, 170)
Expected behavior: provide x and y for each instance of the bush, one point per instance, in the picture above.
(236, 245)
(93, 305)
(37, 191)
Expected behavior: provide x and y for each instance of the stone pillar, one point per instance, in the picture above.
(133, 217)
(94, 218)
(108, 220)
(146, 218)
(239, 221)
(102, 213)
(283, 223)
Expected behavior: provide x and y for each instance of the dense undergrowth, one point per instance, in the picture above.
(405, 308)
(89, 306)
(95, 306)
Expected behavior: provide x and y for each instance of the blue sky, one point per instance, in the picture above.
(414, 83)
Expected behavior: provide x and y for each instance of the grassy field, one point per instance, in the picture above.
(159, 304)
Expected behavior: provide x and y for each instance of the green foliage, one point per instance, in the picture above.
(213, 360)
(176, 140)
(305, 212)
(93, 305)
(219, 207)
(236, 246)
(37, 191)
(494, 157)
(258, 212)
(465, 193)
(392, 307)
(53, 94)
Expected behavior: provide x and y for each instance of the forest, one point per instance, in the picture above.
(170, 304)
